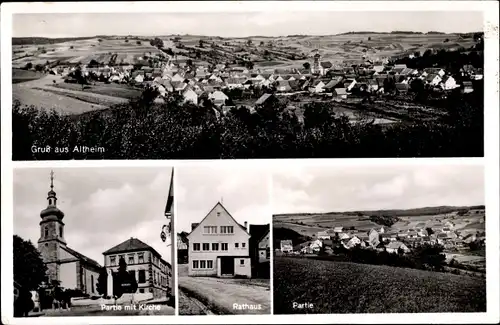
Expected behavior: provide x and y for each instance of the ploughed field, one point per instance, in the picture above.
(342, 287)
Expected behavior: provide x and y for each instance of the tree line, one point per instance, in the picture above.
(143, 129)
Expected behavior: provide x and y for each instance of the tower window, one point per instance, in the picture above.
(61, 231)
(46, 232)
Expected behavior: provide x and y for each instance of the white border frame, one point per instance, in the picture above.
(490, 161)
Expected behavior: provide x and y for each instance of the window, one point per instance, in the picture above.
(132, 273)
(215, 246)
(60, 231)
(242, 262)
(141, 258)
(196, 246)
(243, 245)
(120, 258)
(131, 259)
(268, 252)
(142, 276)
(236, 245)
(226, 229)
(154, 277)
(210, 229)
(112, 260)
(224, 246)
(203, 264)
(218, 214)
(92, 283)
(210, 264)
(195, 264)
(206, 246)
(141, 290)
(46, 231)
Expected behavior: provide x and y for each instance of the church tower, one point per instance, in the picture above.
(51, 233)
(316, 68)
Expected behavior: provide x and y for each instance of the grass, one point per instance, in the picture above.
(19, 75)
(341, 287)
(88, 98)
(114, 90)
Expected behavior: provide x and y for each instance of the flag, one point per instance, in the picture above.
(170, 200)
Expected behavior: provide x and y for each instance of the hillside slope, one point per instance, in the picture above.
(340, 287)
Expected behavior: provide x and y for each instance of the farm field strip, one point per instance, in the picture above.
(341, 287)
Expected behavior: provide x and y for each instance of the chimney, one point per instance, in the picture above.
(246, 226)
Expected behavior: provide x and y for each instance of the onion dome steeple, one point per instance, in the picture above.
(51, 210)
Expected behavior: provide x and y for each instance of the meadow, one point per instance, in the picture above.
(342, 287)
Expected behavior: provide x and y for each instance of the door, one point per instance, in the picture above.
(227, 265)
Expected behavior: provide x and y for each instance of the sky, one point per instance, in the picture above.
(355, 188)
(103, 207)
(241, 24)
(244, 192)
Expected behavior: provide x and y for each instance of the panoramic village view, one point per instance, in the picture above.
(223, 243)
(132, 276)
(400, 93)
(425, 259)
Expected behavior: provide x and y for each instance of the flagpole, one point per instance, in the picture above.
(172, 243)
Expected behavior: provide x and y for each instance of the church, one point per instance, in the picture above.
(72, 269)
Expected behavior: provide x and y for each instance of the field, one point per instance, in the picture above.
(82, 51)
(309, 223)
(339, 287)
(19, 75)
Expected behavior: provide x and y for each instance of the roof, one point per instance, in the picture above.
(395, 245)
(82, 257)
(258, 232)
(229, 214)
(341, 91)
(262, 99)
(326, 64)
(129, 245)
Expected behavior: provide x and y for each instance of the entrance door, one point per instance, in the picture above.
(227, 266)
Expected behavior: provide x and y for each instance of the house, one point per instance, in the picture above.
(153, 274)
(433, 79)
(317, 86)
(338, 229)
(323, 235)
(372, 85)
(219, 246)
(448, 83)
(353, 241)
(178, 86)
(182, 248)
(286, 246)
(402, 87)
(234, 83)
(467, 87)
(178, 77)
(349, 84)
(378, 68)
(283, 86)
(190, 96)
(373, 238)
(137, 77)
(266, 99)
(343, 236)
(396, 246)
(218, 98)
(330, 86)
(260, 250)
(435, 71)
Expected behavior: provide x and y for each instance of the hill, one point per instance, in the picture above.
(339, 287)
(280, 234)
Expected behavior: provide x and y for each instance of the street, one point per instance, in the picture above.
(229, 296)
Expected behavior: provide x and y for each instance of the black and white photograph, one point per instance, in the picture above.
(223, 232)
(247, 84)
(93, 242)
(379, 239)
